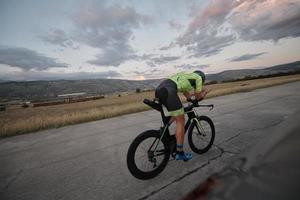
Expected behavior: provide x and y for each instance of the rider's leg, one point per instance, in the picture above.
(179, 130)
(169, 97)
(172, 120)
(180, 155)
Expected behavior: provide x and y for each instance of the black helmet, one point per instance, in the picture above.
(200, 73)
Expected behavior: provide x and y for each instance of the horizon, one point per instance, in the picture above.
(134, 40)
(5, 81)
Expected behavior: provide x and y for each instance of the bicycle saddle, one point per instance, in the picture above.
(153, 104)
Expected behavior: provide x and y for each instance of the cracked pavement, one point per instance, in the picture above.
(88, 161)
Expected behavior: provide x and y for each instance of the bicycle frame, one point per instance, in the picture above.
(161, 145)
(166, 121)
(164, 130)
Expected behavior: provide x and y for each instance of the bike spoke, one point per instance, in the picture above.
(144, 147)
(200, 137)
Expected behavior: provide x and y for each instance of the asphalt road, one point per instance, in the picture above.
(269, 170)
(88, 161)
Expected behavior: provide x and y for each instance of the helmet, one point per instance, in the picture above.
(200, 73)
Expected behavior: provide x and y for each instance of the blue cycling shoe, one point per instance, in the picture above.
(183, 156)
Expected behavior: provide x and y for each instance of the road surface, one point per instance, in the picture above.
(269, 170)
(88, 161)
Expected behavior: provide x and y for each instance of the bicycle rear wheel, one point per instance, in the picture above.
(147, 155)
(201, 134)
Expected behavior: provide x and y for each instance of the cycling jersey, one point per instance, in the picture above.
(180, 82)
(186, 82)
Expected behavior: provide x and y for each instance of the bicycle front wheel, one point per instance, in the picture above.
(147, 155)
(201, 134)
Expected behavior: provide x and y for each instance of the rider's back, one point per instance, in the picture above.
(187, 82)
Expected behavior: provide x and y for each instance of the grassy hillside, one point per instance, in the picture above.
(16, 120)
(33, 90)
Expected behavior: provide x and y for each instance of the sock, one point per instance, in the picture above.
(179, 148)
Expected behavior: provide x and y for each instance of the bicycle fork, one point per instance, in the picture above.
(198, 125)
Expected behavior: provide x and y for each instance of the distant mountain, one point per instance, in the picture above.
(240, 73)
(284, 67)
(32, 90)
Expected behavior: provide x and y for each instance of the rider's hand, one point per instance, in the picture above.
(193, 101)
(201, 95)
(206, 91)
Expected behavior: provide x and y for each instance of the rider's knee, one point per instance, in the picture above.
(179, 119)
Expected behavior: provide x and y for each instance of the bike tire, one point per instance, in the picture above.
(131, 160)
(206, 143)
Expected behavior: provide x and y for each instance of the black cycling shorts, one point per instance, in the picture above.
(166, 92)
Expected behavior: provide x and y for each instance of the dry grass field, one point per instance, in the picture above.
(16, 120)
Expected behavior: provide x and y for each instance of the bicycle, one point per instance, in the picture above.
(161, 144)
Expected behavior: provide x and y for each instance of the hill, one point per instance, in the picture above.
(240, 73)
(36, 90)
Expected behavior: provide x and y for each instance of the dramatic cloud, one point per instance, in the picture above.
(58, 37)
(26, 59)
(113, 56)
(164, 59)
(108, 28)
(150, 73)
(40, 75)
(206, 35)
(266, 19)
(245, 57)
(175, 25)
(151, 64)
(191, 67)
(221, 23)
(153, 59)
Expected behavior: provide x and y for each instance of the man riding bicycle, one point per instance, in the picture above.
(191, 85)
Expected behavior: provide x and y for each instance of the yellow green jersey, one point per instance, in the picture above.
(187, 82)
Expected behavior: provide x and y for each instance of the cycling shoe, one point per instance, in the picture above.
(183, 156)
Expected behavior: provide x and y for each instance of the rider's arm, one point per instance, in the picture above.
(187, 95)
(200, 90)
(201, 95)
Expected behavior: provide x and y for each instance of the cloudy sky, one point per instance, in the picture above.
(134, 39)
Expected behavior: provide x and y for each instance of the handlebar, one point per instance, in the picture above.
(195, 103)
(155, 104)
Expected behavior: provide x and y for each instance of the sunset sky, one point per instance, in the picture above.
(135, 39)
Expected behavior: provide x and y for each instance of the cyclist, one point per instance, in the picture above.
(191, 85)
